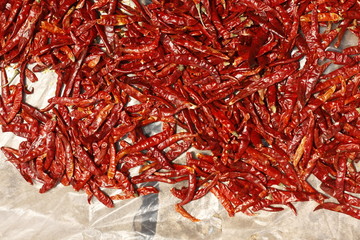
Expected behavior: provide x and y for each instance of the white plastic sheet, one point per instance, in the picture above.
(65, 214)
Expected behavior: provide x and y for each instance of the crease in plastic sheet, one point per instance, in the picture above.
(63, 214)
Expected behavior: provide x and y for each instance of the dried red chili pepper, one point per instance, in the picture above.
(221, 76)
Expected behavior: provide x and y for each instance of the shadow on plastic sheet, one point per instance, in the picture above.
(145, 220)
(145, 2)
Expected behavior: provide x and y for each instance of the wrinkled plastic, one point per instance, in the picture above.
(63, 214)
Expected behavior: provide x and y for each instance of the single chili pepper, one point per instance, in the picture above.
(143, 191)
(353, 50)
(178, 149)
(57, 166)
(99, 4)
(312, 105)
(161, 158)
(222, 31)
(50, 153)
(186, 59)
(174, 138)
(81, 177)
(48, 182)
(69, 162)
(74, 73)
(329, 37)
(99, 194)
(16, 105)
(339, 58)
(224, 201)
(5, 92)
(351, 14)
(322, 17)
(71, 101)
(99, 119)
(264, 82)
(30, 75)
(149, 142)
(180, 209)
(84, 159)
(116, 20)
(348, 147)
(191, 189)
(24, 168)
(343, 27)
(230, 192)
(198, 46)
(173, 97)
(346, 209)
(20, 130)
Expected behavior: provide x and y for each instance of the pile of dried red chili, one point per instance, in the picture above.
(269, 88)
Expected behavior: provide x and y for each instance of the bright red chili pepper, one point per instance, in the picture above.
(221, 76)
